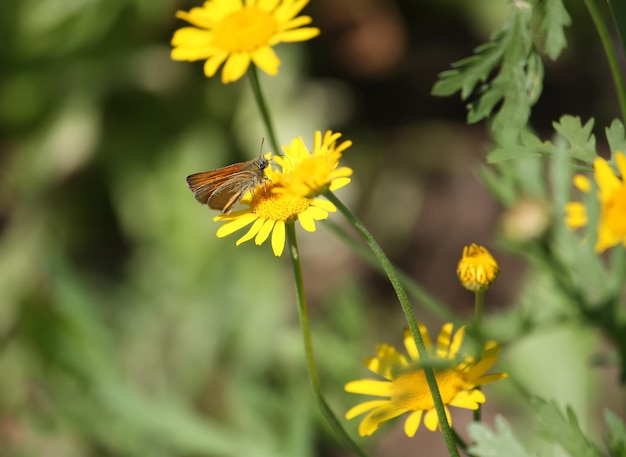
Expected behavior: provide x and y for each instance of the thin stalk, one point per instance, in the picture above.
(479, 304)
(460, 441)
(611, 55)
(265, 113)
(410, 317)
(303, 314)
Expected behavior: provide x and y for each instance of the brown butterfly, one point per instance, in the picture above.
(223, 188)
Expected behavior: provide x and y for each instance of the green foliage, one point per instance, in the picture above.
(616, 136)
(616, 436)
(563, 430)
(618, 9)
(488, 443)
(513, 56)
(555, 19)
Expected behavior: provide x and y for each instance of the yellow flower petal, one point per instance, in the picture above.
(278, 238)
(576, 215)
(406, 387)
(412, 423)
(324, 205)
(252, 232)
(212, 64)
(264, 232)
(265, 58)
(456, 342)
(443, 340)
(239, 34)
(303, 34)
(369, 387)
(582, 183)
(235, 224)
(306, 221)
(364, 407)
(235, 67)
(372, 420)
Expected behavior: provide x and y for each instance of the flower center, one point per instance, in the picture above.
(245, 30)
(614, 212)
(279, 207)
(410, 390)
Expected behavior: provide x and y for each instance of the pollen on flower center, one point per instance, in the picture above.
(245, 30)
(410, 390)
(279, 207)
(615, 212)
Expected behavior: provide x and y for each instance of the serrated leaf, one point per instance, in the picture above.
(582, 143)
(564, 431)
(616, 136)
(555, 19)
(616, 436)
(517, 83)
(468, 72)
(489, 444)
(531, 146)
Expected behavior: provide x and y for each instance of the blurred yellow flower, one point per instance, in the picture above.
(239, 33)
(612, 198)
(477, 269)
(290, 192)
(406, 387)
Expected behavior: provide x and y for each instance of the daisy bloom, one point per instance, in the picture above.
(405, 389)
(612, 198)
(238, 33)
(290, 192)
(477, 269)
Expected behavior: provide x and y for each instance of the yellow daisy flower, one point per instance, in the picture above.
(309, 174)
(289, 193)
(477, 269)
(238, 33)
(612, 198)
(406, 389)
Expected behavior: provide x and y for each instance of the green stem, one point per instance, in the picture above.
(479, 304)
(410, 317)
(308, 344)
(460, 441)
(297, 272)
(265, 113)
(618, 10)
(412, 287)
(611, 55)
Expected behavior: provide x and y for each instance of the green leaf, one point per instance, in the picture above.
(582, 143)
(555, 19)
(517, 83)
(531, 146)
(501, 442)
(616, 136)
(616, 436)
(501, 185)
(564, 431)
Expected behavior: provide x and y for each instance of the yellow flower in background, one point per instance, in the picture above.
(289, 193)
(477, 269)
(612, 198)
(239, 33)
(405, 388)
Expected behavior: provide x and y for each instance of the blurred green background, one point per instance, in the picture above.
(128, 329)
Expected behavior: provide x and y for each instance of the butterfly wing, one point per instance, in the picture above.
(205, 183)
